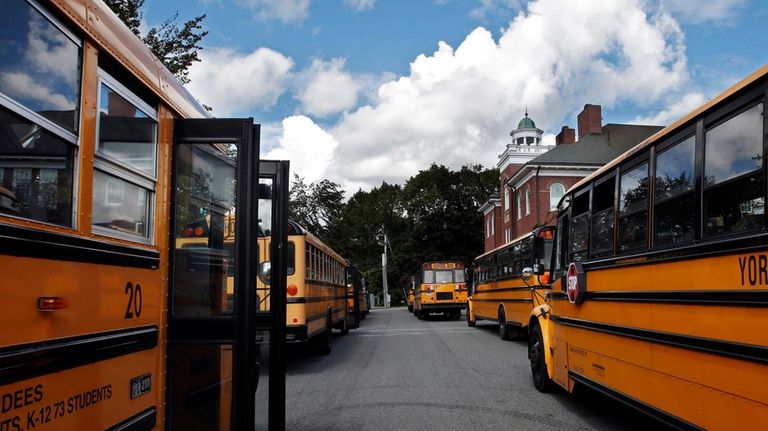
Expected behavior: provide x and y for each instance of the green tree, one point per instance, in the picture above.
(316, 206)
(175, 46)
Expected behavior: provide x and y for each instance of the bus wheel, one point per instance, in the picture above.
(344, 327)
(541, 380)
(321, 345)
(503, 328)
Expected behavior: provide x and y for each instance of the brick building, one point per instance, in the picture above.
(534, 176)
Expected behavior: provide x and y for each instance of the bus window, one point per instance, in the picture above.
(458, 275)
(601, 243)
(579, 234)
(443, 276)
(674, 200)
(633, 210)
(429, 276)
(733, 176)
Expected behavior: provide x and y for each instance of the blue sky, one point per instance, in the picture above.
(365, 91)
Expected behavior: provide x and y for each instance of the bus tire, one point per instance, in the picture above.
(503, 328)
(321, 345)
(541, 380)
(344, 327)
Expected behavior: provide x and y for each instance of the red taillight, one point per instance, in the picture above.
(292, 289)
(51, 303)
(545, 279)
(199, 231)
(187, 231)
(462, 286)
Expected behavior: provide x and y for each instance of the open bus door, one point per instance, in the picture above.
(221, 347)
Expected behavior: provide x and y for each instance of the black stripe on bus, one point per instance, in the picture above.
(26, 361)
(310, 299)
(504, 289)
(634, 403)
(520, 300)
(752, 298)
(143, 421)
(729, 349)
(21, 241)
(749, 298)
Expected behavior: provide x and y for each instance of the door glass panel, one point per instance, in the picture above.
(264, 232)
(205, 226)
(201, 387)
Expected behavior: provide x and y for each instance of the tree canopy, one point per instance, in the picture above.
(175, 46)
(434, 216)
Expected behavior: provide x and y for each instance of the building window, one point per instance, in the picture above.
(487, 227)
(527, 200)
(506, 198)
(556, 192)
(493, 225)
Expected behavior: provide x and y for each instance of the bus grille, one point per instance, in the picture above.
(444, 296)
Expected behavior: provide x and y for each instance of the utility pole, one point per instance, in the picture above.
(384, 273)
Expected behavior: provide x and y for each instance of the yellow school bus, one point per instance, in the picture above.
(316, 288)
(109, 320)
(660, 280)
(502, 292)
(440, 287)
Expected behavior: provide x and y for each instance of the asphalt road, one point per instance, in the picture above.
(399, 373)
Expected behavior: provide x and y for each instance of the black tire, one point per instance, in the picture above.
(321, 344)
(503, 328)
(541, 380)
(344, 327)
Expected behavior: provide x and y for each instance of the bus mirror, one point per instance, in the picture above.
(538, 269)
(265, 191)
(527, 273)
(265, 272)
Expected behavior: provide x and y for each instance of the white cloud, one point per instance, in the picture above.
(328, 89)
(457, 106)
(306, 145)
(717, 11)
(675, 110)
(230, 82)
(23, 86)
(360, 5)
(284, 10)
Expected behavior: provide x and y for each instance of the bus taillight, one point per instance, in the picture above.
(292, 290)
(51, 303)
(461, 287)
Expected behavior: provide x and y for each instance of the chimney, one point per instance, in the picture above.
(590, 121)
(566, 136)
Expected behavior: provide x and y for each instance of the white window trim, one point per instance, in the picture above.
(528, 200)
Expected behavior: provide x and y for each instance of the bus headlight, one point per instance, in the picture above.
(265, 272)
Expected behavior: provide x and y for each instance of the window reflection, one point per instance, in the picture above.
(735, 147)
(205, 235)
(119, 205)
(674, 198)
(634, 189)
(36, 170)
(39, 64)
(126, 133)
(674, 170)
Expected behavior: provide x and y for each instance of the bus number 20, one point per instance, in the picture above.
(134, 300)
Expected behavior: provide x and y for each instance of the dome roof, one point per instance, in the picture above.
(526, 123)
